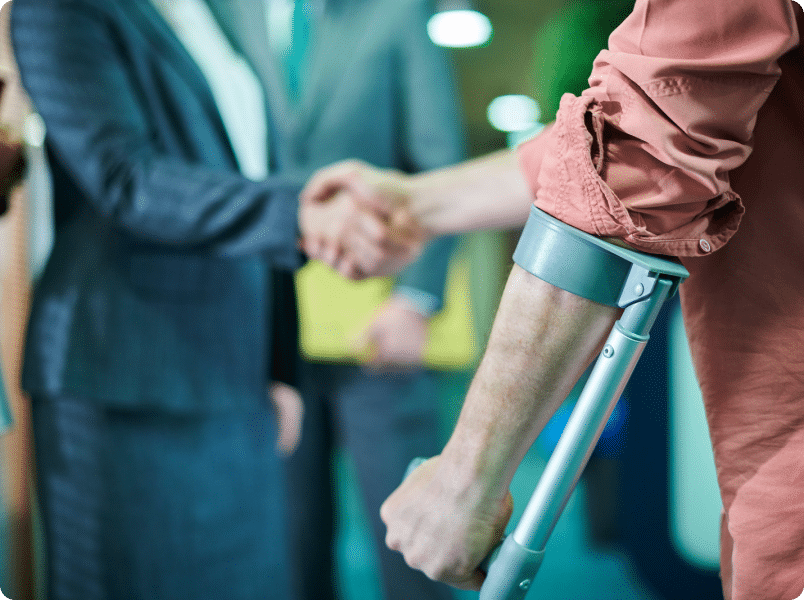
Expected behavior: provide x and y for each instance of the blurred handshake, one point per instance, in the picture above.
(359, 220)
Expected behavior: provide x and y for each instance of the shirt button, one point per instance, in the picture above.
(704, 245)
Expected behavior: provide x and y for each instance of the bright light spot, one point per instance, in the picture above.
(459, 28)
(800, 3)
(33, 130)
(513, 113)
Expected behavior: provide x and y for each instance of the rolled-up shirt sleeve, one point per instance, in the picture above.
(644, 154)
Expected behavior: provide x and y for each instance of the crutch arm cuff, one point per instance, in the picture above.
(588, 266)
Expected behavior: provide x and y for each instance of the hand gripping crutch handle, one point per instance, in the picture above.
(511, 568)
(414, 464)
(508, 561)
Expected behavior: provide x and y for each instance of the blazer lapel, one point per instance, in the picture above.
(145, 16)
(164, 40)
(245, 22)
(312, 100)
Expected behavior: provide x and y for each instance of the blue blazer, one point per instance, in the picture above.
(169, 280)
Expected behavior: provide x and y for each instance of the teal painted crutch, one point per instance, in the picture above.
(602, 272)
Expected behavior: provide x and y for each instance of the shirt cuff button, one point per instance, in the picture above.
(704, 245)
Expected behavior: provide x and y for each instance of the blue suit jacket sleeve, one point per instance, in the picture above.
(432, 136)
(101, 122)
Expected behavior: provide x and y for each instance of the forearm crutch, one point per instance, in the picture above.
(602, 272)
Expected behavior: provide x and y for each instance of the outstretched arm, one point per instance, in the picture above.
(489, 192)
(484, 193)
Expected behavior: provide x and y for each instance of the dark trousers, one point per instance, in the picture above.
(383, 420)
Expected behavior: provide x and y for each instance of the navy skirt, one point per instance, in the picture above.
(148, 505)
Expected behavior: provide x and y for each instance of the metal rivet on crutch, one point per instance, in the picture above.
(524, 585)
(608, 351)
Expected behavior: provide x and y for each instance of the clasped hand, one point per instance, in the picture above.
(356, 218)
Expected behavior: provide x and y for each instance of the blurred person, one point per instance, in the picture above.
(356, 79)
(347, 78)
(161, 347)
(687, 143)
(15, 441)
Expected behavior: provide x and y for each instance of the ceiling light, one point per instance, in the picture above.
(513, 113)
(457, 25)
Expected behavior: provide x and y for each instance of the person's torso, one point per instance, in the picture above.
(744, 316)
(133, 322)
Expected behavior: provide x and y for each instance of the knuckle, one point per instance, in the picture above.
(418, 560)
(352, 169)
(356, 164)
(393, 542)
(385, 512)
(369, 263)
(437, 572)
(379, 233)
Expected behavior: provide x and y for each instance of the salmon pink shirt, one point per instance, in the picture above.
(689, 142)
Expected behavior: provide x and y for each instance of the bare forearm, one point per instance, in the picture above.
(451, 511)
(484, 193)
(542, 340)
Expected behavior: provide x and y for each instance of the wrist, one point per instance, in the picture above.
(424, 202)
(416, 301)
(471, 475)
(479, 457)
